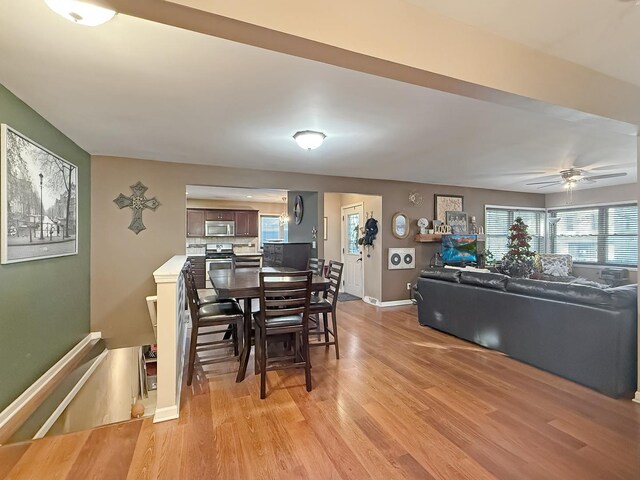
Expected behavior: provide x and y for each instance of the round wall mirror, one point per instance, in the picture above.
(400, 225)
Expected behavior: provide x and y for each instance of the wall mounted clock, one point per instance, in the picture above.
(298, 209)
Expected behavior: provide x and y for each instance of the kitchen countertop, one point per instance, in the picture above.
(248, 254)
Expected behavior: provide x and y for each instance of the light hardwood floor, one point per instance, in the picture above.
(403, 401)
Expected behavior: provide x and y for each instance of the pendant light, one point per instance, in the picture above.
(284, 216)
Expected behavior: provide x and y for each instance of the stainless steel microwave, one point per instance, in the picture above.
(219, 228)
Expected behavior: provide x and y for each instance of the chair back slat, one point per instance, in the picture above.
(335, 277)
(192, 292)
(240, 262)
(316, 265)
(285, 295)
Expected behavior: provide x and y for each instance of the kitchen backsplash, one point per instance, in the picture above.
(196, 245)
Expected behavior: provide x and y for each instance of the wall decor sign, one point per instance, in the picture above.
(39, 195)
(447, 203)
(137, 202)
(458, 222)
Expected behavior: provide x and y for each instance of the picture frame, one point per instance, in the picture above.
(39, 198)
(324, 228)
(446, 203)
(458, 221)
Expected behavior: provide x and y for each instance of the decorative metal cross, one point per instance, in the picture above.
(137, 202)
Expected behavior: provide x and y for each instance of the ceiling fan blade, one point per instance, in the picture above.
(618, 166)
(606, 175)
(551, 182)
(550, 185)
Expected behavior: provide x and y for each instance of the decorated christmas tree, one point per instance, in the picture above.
(518, 261)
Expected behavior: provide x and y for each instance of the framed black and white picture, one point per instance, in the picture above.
(447, 203)
(39, 195)
(458, 222)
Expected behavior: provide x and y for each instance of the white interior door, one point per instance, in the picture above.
(352, 223)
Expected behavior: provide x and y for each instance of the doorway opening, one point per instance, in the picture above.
(345, 217)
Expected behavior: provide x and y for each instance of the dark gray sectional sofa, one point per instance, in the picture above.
(582, 333)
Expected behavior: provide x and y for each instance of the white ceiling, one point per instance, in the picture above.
(603, 35)
(253, 195)
(134, 88)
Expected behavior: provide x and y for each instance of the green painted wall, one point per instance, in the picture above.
(44, 304)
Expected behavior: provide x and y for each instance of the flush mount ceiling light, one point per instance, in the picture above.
(308, 139)
(81, 13)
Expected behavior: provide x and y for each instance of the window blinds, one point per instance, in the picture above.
(498, 220)
(602, 235)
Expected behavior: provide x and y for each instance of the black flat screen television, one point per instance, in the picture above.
(459, 249)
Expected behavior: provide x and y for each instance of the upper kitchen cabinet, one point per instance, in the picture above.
(195, 223)
(246, 223)
(219, 215)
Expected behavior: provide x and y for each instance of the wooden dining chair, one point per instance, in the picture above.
(284, 309)
(205, 295)
(327, 304)
(221, 314)
(247, 261)
(316, 265)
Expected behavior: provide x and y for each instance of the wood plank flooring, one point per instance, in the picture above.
(403, 402)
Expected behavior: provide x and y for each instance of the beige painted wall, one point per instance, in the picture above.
(122, 262)
(592, 196)
(332, 203)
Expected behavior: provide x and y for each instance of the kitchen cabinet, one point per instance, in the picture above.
(219, 215)
(292, 255)
(198, 269)
(195, 223)
(246, 223)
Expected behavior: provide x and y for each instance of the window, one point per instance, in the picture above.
(353, 232)
(270, 229)
(497, 221)
(601, 235)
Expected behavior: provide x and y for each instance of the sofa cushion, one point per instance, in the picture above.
(497, 281)
(446, 274)
(565, 292)
(624, 296)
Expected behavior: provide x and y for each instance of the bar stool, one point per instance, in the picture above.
(284, 309)
(222, 314)
(326, 305)
(316, 265)
(205, 295)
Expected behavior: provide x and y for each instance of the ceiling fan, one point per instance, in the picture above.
(572, 176)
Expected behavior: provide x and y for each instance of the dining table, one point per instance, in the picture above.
(244, 284)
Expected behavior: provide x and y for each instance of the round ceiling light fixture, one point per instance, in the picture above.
(308, 139)
(81, 13)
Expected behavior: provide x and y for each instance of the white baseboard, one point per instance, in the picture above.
(394, 303)
(637, 397)
(26, 396)
(166, 413)
(46, 426)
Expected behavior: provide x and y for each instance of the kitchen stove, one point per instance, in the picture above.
(218, 256)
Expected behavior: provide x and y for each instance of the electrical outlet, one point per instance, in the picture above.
(408, 286)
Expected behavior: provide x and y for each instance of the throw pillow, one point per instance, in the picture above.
(556, 265)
